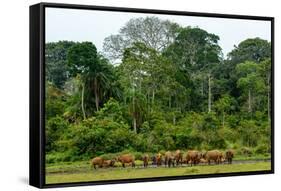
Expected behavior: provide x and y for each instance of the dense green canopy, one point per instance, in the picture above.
(175, 92)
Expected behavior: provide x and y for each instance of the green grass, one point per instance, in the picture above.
(78, 166)
(88, 174)
(254, 157)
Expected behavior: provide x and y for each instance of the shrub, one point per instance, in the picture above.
(262, 149)
(210, 121)
(109, 156)
(111, 109)
(138, 155)
(249, 133)
(60, 157)
(162, 152)
(140, 143)
(95, 137)
(245, 151)
(55, 128)
(218, 143)
(233, 121)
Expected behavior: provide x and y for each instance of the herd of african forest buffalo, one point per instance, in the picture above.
(192, 157)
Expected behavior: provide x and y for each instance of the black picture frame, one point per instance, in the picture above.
(37, 93)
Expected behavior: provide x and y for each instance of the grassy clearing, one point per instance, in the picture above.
(82, 166)
(254, 157)
(130, 173)
(78, 166)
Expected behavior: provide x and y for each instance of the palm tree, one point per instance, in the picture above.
(95, 71)
(100, 80)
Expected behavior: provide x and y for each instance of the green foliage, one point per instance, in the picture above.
(95, 73)
(82, 58)
(97, 136)
(262, 149)
(168, 93)
(254, 49)
(58, 157)
(112, 110)
(55, 102)
(55, 128)
(246, 151)
(57, 70)
(250, 134)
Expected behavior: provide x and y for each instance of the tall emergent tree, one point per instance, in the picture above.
(152, 31)
(196, 53)
(252, 49)
(146, 74)
(134, 67)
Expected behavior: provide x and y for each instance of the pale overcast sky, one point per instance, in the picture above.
(94, 26)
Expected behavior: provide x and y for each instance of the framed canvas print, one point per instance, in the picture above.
(122, 95)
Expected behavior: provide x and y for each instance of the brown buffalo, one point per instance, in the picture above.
(97, 161)
(203, 161)
(221, 157)
(169, 159)
(153, 160)
(145, 160)
(179, 157)
(127, 158)
(214, 155)
(229, 154)
(108, 163)
(184, 161)
(193, 157)
(159, 159)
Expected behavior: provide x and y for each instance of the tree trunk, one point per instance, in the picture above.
(135, 124)
(147, 102)
(134, 117)
(153, 96)
(134, 113)
(174, 119)
(96, 94)
(268, 98)
(82, 101)
(249, 101)
(209, 93)
(223, 117)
